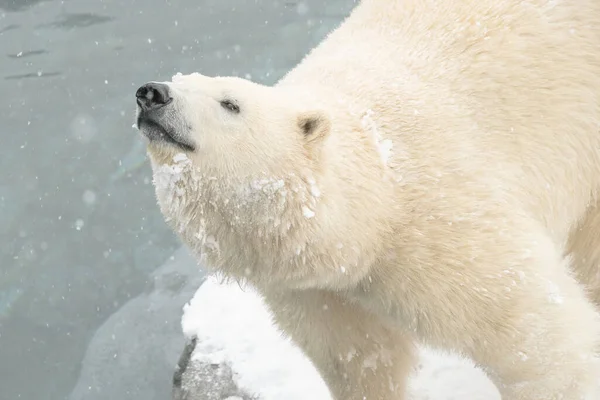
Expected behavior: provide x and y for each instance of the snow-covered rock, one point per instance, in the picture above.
(199, 380)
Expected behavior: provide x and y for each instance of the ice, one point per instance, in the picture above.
(233, 326)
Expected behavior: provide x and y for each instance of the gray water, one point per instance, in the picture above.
(82, 239)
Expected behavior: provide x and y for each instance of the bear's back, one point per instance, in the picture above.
(505, 89)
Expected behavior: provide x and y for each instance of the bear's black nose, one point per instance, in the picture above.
(152, 95)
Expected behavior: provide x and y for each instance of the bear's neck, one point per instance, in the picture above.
(304, 229)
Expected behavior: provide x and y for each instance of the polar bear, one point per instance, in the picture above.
(429, 173)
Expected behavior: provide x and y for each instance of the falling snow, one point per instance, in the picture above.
(83, 128)
(89, 197)
(79, 224)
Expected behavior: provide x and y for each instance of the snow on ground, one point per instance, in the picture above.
(233, 326)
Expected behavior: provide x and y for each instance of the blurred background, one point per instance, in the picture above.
(92, 282)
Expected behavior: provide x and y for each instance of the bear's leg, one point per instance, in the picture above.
(549, 352)
(358, 356)
(584, 250)
(529, 324)
(503, 296)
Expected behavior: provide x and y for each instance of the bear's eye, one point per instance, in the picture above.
(230, 106)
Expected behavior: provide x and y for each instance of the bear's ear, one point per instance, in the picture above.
(314, 125)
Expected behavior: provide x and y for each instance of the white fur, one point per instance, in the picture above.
(428, 172)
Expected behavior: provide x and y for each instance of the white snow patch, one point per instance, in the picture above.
(307, 212)
(211, 243)
(385, 150)
(233, 326)
(314, 190)
(168, 176)
(383, 146)
(179, 157)
(268, 186)
(554, 295)
(170, 185)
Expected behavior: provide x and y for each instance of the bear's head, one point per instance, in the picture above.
(255, 178)
(209, 119)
